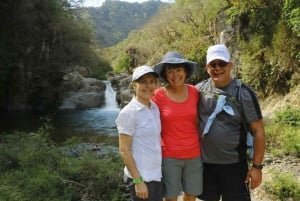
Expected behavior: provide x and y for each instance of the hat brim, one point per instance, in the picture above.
(148, 73)
(193, 66)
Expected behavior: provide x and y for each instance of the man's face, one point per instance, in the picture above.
(219, 71)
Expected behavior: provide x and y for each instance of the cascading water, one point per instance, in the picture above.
(68, 123)
(110, 97)
(95, 121)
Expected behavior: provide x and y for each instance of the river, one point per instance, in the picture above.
(96, 124)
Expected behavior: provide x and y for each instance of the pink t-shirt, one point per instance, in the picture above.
(180, 138)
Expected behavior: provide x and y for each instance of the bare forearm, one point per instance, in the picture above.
(259, 148)
(130, 163)
(125, 143)
(259, 141)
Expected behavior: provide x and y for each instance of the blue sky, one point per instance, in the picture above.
(97, 3)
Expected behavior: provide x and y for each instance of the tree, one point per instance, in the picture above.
(39, 41)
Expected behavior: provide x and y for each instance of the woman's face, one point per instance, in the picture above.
(145, 87)
(176, 75)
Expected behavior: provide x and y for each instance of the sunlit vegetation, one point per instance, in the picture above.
(114, 20)
(40, 40)
(264, 36)
(284, 186)
(34, 168)
(45, 38)
(283, 135)
(283, 139)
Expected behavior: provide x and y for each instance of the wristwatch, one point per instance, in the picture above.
(259, 167)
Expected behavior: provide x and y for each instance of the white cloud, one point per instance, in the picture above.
(94, 3)
(97, 3)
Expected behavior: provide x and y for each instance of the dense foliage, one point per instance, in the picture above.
(263, 37)
(33, 168)
(283, 139)
(270, 44)
(283, 135)
(284, 187)
(39, 41)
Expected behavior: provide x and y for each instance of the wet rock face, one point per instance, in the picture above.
(121, 85)
(79, 92)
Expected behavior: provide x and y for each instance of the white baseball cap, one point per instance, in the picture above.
(217, 52)
(141, 71)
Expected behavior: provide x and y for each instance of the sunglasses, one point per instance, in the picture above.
(221, 64)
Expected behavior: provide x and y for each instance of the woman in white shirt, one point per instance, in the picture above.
(139, 130)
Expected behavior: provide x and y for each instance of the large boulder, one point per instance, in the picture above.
(79, 92)
(121, 84)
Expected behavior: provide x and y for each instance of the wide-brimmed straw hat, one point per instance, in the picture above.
(175, 58)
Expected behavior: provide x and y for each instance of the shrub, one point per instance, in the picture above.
(284, 186)
(283, 139)
(288, 116)
(33, 168)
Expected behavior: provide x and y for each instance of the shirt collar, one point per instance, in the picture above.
(141, 106)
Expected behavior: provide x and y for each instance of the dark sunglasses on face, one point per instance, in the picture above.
(220, 64)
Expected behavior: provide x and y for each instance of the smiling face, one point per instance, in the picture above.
(219, 71)
(144, 88)
(176, 74)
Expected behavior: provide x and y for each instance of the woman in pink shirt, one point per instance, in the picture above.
(177, 102)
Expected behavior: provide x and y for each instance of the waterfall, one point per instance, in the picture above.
(110, 97)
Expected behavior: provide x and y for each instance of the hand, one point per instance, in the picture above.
(254, 176)
(141, 190)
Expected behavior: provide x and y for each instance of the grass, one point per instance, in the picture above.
(283, 139)
(34, 168)
(284, 186)
(283, 135)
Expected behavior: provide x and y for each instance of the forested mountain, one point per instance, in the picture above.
(115, 19)
(263, 37)
(40, 40)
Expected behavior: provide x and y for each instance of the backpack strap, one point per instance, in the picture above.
(254, 100)
(239, 85)
(200, 86)
(246, 126)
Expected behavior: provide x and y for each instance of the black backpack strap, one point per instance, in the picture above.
(239, 85)
(246, 126)
(254, 100)
(242, 148)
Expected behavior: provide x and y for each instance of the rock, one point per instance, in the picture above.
(121, 84)
(79, 92)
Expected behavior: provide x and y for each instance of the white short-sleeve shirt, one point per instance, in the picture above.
(143, 124)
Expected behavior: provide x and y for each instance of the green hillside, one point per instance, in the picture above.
(115, 19)
(263, 37)
(40, 40)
